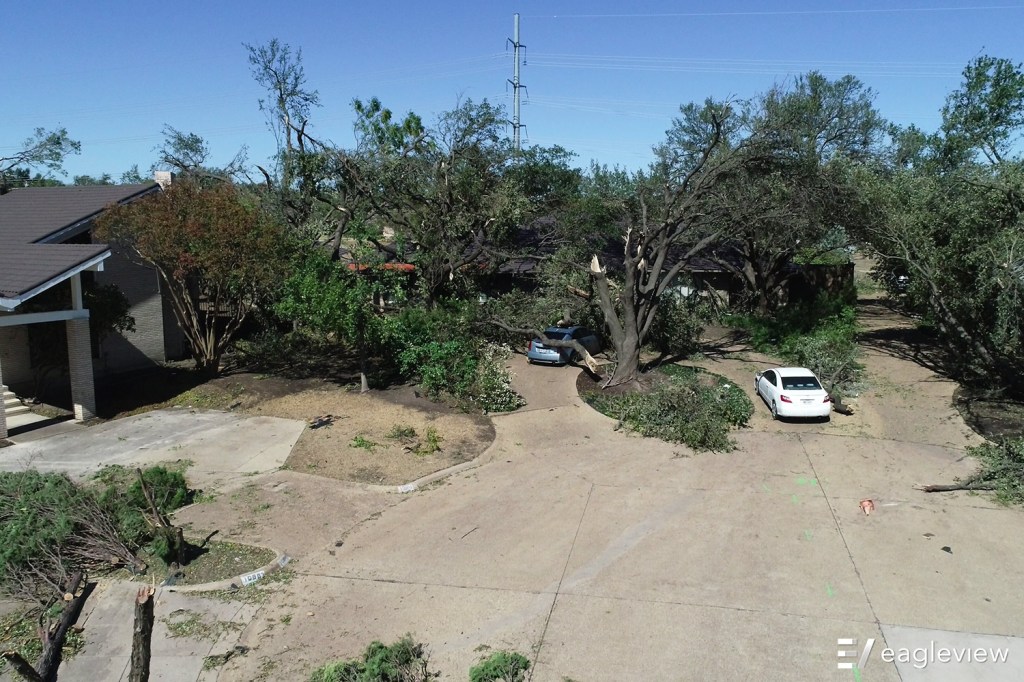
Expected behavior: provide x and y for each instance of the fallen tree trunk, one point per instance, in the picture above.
(21, 666)
(969, 485)
(53, 642)
(142, 636)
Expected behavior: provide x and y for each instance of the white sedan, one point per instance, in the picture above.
(793, 392)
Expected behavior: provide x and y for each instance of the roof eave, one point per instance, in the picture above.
(95, 264)
(82, 224)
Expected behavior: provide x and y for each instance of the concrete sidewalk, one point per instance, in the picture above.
(107, 624)
(222, 446)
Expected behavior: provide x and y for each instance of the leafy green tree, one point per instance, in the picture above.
(217, 251)
(951, 217)
(985, 115)
(104, 179)
(444, 189)
(797, 209)
(334, 298)
(44, 149)
(188, 155)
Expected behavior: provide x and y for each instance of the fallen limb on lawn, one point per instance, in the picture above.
(954, 486)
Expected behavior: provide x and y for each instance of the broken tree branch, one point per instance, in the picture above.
(21, 666)
(966, 485)
(53, 643)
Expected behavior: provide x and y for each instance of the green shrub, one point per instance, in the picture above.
(830, 351)
(504, 666)
(401, 432)
(1002, 467)
(492, 389)
(431, 442)
(683, 406)
(471, 374)
(442, 366)
(678, 324)
(820, 335)
(403, 661)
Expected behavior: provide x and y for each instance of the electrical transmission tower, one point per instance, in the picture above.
(517, 121)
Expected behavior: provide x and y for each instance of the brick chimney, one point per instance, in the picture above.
(163, 178)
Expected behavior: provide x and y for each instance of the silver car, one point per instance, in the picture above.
(538, 352)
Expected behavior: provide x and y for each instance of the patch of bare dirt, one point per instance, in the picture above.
(992, 416)
(388, 437)
(370, 438)
(289, 511)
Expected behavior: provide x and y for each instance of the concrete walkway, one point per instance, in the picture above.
(222, 446)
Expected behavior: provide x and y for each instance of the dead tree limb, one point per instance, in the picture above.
(21, 666)
(967, 485)
(592, 363)
(53, 642)
(142, 636)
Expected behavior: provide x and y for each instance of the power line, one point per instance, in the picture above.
(763, 13)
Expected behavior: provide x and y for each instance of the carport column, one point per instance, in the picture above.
(3, 409)
(83, 392)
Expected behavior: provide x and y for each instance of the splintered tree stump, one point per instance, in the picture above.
(53, 643)
(142, 636)
(21, 666)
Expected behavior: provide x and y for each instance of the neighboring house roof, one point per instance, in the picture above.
(33, 223)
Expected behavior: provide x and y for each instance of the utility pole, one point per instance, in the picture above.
(517, 122)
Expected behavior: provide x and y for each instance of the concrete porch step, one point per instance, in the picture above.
(13, 404)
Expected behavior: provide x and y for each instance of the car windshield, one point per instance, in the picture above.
(800, 384)
(556, 334)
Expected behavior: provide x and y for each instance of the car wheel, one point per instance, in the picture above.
(775, 410)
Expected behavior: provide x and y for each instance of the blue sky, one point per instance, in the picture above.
(603, 78)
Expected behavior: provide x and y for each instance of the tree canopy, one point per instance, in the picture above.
(217, 251)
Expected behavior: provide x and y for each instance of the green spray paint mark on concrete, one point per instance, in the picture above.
(766, 488)
(796, 500)
(808, 534)
(828, 588)
(856, 674)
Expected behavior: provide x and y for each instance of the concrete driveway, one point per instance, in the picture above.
(222, 446)
(605, 556)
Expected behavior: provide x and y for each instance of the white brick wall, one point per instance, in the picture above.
(83, 394)
(144, 346)
(3, 411)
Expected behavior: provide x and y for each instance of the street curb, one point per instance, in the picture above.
(238, 581)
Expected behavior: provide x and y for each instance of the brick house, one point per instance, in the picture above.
(46, 242)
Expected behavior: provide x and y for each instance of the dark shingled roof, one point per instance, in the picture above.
(33, 222)
(37, 214)
(23, 267)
